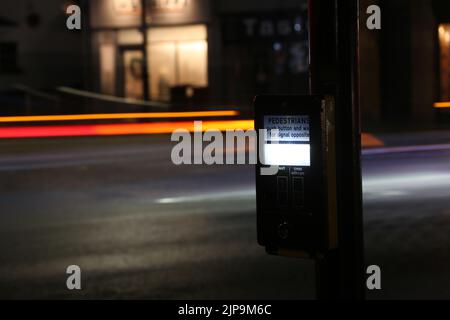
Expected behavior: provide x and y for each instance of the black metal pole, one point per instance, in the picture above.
(334, 60)
(86, 45)
(145, 71)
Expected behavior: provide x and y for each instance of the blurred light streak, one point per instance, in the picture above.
(383, 186)
(407, 180)
(120, 129)
(211, 196)
(406, 149)
(115, 116)
(442, 105)
(370, 141)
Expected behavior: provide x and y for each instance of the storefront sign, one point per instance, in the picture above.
(270, 28)
(127, 7)
(265, 27)
(168, 5)
(127, 13)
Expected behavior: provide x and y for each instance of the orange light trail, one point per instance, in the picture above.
(115, 116)
(120, 129)
(442, 105)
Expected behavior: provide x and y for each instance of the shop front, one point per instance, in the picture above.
(267, 51)
(442, 14)
(176, 37)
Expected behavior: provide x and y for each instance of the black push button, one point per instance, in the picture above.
(282, 184)
(283, 231)
(283, 191)
(298, 191)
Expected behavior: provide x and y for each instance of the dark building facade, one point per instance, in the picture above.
(215, 52)
(37, 54)
(404, 66)
(36, 49)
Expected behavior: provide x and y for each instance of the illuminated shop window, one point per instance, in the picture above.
(107, 68)
(177, 56)
(129, 37)
(444, 61)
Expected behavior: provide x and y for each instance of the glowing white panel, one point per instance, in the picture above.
(287, 155)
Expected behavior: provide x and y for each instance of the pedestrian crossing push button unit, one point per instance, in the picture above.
(296, 207)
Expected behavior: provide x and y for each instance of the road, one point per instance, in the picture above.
(141, 227)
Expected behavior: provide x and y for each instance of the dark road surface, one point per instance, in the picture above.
(140, 227)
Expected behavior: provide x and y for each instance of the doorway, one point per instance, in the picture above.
(130, 70)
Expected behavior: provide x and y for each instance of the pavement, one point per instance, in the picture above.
(141, 227)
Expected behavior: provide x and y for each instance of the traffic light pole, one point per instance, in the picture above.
(334, 69)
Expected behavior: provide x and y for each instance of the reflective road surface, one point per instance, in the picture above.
(141, 227)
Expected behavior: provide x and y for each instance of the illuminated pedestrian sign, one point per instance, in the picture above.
(287, 128)
(287, 141)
